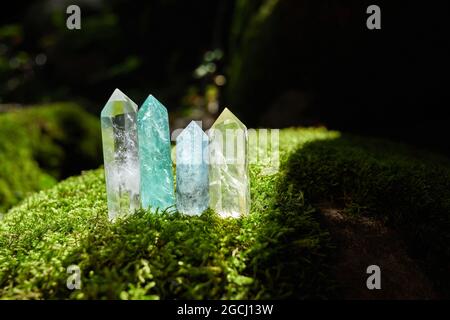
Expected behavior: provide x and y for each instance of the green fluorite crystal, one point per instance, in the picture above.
(229, 184)
(120, 153)
(157, 188)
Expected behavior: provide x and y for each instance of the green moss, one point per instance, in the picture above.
(279, 251)
(42, 144)
(407, 188)
(161, 255)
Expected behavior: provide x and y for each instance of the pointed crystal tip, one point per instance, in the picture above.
(150, 98)
(153, 106)
(193, 125)
(192, 128)
(227, 117)
(118, 96)
(118, 103)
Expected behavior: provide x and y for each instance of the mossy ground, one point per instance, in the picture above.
(281, 250)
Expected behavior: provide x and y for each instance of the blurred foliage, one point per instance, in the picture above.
(141, 47)
(15, 64)
(202, 98)
(306, 62)
(274, 52)
(42, 144)
(275, 63)
(253, 55)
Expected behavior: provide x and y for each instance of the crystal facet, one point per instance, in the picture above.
(192, 170)
(229, 185)
(120, 153)
(154, 152)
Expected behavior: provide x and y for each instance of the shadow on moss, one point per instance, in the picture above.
(406, 188)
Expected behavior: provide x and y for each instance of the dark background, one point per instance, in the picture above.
(274, 63)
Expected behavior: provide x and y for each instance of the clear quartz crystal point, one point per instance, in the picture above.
(229, 183)
(157, 183)
(120, 154)
(192, 191)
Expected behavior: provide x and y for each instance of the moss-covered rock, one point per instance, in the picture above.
(152, 256)
(281, 250)
(406, 188)
(42, 144)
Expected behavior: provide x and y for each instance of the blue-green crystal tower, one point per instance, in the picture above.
(157, 184)
(192, 170)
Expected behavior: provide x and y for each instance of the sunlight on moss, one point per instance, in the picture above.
(279, 251)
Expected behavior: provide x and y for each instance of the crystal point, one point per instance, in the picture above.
(154, 150)
(120, 153)
(229, 183)
(192, 170)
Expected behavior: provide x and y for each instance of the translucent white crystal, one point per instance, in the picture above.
(229, 183)
(192, 170)
(120, 153)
